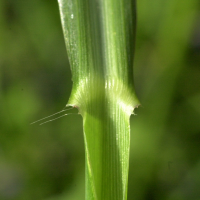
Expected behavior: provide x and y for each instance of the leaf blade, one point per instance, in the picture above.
(100, 38)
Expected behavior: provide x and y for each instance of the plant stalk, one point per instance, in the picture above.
(100, 38)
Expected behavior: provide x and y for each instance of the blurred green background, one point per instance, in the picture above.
(47, 162)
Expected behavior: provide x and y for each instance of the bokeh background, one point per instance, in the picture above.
(47, 162)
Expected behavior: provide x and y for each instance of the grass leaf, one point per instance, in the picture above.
(100, 37)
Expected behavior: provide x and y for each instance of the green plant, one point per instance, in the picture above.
(100, 37)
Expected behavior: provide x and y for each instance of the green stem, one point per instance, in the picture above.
(107, 152)
(99, 36)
